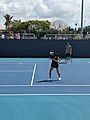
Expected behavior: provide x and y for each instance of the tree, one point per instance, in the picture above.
(18, 26)
(59, 25)
(38, 27)
(8, 21)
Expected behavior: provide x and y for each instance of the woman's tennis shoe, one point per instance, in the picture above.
(59, 78)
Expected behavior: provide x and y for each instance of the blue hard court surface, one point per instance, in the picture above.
(26, 93)
(30, 76)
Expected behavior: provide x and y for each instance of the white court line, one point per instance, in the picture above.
(20, 63)
(45, 94)
(64, 85)
(44, 85)
(15, 71)
(15, 85)
(33, 74)
(16, 63)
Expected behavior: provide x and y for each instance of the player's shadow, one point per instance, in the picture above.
(41, 81)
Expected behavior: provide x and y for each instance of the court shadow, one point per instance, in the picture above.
(47, 81)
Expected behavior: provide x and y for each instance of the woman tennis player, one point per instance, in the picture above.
(55, 63)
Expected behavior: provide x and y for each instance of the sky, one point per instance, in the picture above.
(68, 11)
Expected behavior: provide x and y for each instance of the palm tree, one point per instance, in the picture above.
(8, 21)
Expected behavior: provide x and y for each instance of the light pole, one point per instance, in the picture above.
(82, 19)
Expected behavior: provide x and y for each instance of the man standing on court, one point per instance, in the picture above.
(68, 52)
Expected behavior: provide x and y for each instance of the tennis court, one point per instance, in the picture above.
(27, 93)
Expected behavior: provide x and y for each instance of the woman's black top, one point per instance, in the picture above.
(54, 64)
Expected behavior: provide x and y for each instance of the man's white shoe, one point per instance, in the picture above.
(60, 78)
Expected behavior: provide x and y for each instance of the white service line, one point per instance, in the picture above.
(63, 85)
(22, 85)
(9, 63)
(15, 71)
(33, 74)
